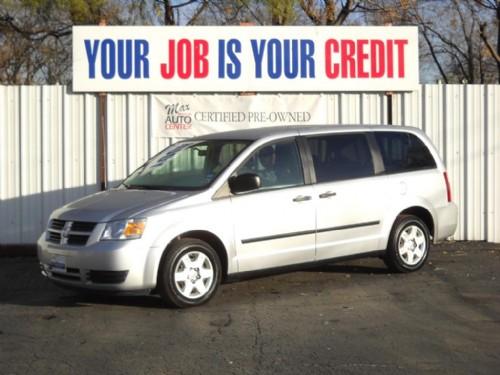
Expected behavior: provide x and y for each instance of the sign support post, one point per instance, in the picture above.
(103, 157)
(388, 94)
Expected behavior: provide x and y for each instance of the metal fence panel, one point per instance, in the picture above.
(373, 109)
(30, 149)
(49, 153)
(492, 136)
(407, 108)
(48, 156)
(454, 123)
(138, 134)
(350, 105)
(117, 125)
(52, 153)
(474, 163)
(10, 167)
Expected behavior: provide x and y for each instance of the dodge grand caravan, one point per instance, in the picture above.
(221, 206)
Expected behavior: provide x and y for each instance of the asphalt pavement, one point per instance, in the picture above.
(347, 318)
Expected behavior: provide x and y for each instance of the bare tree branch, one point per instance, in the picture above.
(35, 35)
(434, 56)
(490, 4)
(198, 12)
(326, 14)
(308, 6)
(482, 34)
(347, 8)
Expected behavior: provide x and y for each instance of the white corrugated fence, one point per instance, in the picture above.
(49, 154)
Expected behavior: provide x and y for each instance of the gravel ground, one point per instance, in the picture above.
(348, 318)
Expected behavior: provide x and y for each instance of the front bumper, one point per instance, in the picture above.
(105, 265)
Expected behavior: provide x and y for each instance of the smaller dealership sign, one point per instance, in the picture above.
(182, 116)
(239, 59)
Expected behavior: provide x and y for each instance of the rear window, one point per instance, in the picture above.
(341, 157)
(403, 152)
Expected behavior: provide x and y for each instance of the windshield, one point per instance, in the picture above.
(187, 165)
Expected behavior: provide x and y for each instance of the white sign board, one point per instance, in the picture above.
(244, 58)
(182, 116)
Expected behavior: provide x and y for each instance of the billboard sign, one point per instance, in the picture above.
(244, 59)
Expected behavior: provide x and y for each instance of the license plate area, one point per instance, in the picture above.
(58, 263)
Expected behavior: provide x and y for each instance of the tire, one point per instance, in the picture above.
(408, 246)
(189, 273)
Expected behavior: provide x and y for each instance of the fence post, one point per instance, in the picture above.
(388, 94)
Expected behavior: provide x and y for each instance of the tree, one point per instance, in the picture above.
(450, 32)
(36, 37)
(457, 37)
(491, 5)
(329, 12)
(171, 18)
(258, 12)
(282, 11)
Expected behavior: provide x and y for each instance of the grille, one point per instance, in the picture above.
(82, 226)
(57, 224)
(54, 237)
(77, 239)
(74, 233)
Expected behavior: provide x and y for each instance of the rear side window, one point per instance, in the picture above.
(403, 152)
(341, 157)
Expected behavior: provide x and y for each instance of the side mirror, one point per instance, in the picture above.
(244, 182)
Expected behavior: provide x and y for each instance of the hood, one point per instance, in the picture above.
(117, 204)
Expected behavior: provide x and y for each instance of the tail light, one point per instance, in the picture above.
(448, 189)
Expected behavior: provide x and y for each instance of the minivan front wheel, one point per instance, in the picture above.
(190, 273)
(409, 244)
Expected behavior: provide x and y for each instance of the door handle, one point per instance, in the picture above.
(302, 198)
(327, 194)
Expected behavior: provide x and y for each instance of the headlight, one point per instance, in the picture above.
(124, 229)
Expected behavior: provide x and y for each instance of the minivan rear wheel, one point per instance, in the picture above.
(189, 274)
(409, 244)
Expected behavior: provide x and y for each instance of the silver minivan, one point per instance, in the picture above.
(228, 205)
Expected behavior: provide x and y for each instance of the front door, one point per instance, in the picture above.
(275, 225)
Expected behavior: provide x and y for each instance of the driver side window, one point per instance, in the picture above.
(278, 165)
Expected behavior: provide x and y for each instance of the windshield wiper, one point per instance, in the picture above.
(141, 187)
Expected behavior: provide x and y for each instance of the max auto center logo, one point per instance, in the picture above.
(178, 117)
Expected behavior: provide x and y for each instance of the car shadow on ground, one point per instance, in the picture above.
(56, 297)
(141, 301)
(43, 293)
(351, 269)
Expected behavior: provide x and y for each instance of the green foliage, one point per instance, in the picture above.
(283, 12)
